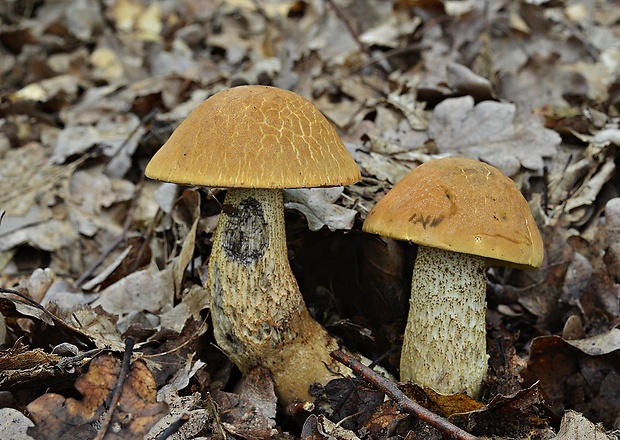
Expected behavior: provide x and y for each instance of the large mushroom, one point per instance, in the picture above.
(463, 214)
(256, 140)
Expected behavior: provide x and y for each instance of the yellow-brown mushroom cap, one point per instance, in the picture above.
(460, 205)
(255, 137)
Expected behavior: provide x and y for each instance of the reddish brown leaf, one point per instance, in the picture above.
(58, 417)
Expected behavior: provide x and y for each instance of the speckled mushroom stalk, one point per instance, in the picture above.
(463, 214)
(259, 315)
(255, 141)
(444, 345)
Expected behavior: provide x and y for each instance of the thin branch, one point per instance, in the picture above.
(345, 20)
(403, 402)
(196, 334)
(30, 301)
(118, 389)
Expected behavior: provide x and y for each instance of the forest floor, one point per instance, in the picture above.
(105, 328)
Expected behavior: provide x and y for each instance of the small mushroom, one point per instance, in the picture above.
(256, 140)
(463, 214)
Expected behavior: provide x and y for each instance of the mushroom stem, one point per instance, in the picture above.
(259, 316)
(444, 345)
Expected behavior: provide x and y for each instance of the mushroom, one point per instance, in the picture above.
(256, 140)
(463, 214)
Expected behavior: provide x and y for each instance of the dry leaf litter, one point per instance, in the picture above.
(99, 255)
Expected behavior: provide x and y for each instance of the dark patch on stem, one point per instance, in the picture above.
(246, 234)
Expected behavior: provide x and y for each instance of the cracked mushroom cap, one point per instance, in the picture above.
(461, 205)
(255, 137)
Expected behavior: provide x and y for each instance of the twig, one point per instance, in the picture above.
(71, 361)
(380, 57)
(403, 402)
(118, 389)
(345, 20)
(82, 279)
(30, 301)
(196, 334)
(146, 119)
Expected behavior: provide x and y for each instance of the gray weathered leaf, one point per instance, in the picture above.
(317, 205)
(493, 132)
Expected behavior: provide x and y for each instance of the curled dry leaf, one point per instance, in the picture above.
(39, 282)
(391, 31)
(362, 402)
(54, 325)
(98, 326)
(29, 188)
(319, 207)
(411, 108)
(90, 193)
(97, 103)
(181, 378)
(192, 205)
(15, 307)
(578, 206)
(466, 82)
(21, 367)
(51, 236)
(445, 405)
(388, 419)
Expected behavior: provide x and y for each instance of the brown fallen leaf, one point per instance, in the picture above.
(444, 405)
(516, 415)
(56, 416)
(46, 325)
(578, 374)
(353, 401)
